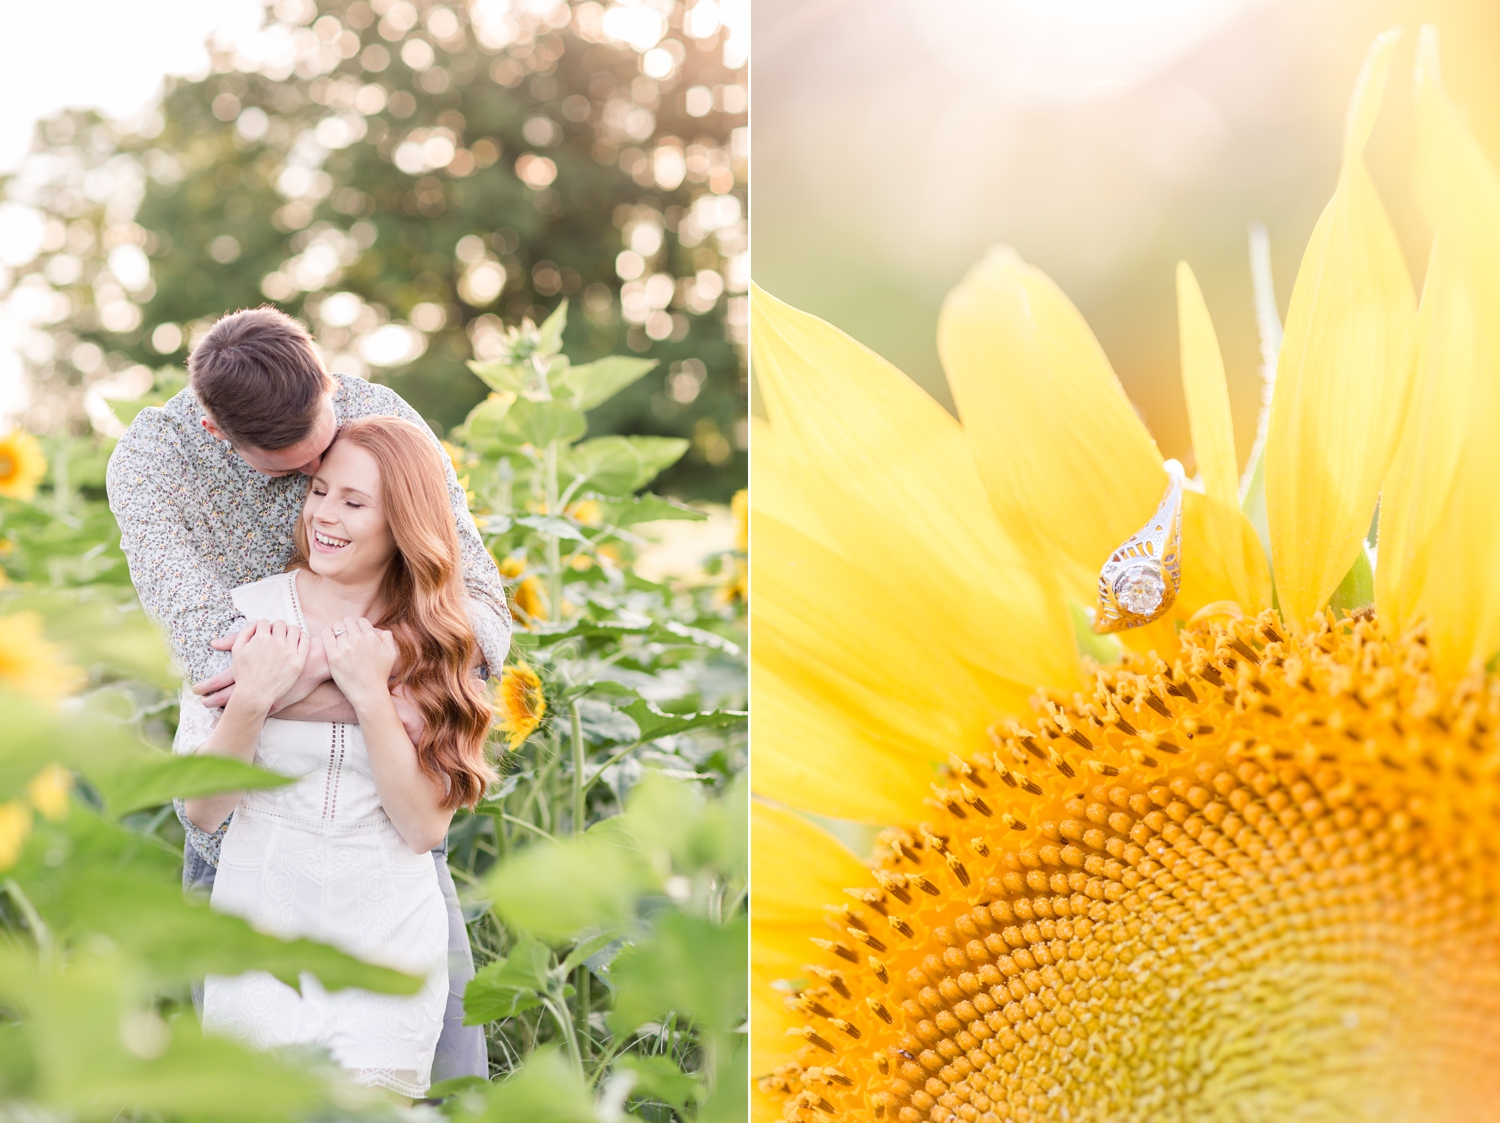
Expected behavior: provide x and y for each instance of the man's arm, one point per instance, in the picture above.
(189, 601)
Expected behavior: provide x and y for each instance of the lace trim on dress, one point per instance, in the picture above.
(403, 1080)
(291, 584)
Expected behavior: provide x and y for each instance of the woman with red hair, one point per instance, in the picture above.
(341, 854)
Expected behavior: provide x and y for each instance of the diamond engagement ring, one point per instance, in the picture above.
(338, 631)
(1140, 580)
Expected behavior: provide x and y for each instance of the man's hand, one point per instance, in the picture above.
(267, 661)
(406, 709)
(216, 691)
(313, 675)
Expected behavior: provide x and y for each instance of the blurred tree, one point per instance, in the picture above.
(407, 178)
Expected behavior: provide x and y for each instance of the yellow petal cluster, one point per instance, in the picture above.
(1250, 869)
(22, 464)
(521, 705)
(29, 662)
(46, 792)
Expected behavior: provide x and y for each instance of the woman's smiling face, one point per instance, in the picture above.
(347, 534)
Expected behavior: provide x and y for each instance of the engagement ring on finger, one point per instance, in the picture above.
(338, 631)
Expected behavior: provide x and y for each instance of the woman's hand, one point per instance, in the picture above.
(361, 658)
(267, 658)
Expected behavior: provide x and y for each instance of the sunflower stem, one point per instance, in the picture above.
(579, 755)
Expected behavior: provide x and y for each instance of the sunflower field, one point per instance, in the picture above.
(603, 877)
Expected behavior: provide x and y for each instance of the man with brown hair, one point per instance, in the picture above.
(207, 490)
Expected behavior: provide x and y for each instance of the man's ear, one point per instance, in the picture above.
(213, 430)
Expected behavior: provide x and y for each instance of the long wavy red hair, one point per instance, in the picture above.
(424, 598)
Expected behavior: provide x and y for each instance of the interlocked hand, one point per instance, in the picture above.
(267, 658)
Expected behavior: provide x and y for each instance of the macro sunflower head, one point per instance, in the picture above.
(1244, 865)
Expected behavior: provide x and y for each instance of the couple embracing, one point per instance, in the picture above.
(303, 542)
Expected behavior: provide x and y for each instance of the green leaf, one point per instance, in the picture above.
(586, 948)
(698, 834)
(149, 777)
(17, 1066)
(504, 378)
(125, 772)
(687, 965)
(98, 1047)
(507, 986)
(547, 524)
(657, 455)
(547, 1090)
(647, 508)
(661, 631)
(653, 723)
(486, 421)
(728, 1102)
(555, 890)
(609, 465)
(88, 876)
(1357, 589)
(594, 383)
(549, 334)
(541, 423)
(659, 1078)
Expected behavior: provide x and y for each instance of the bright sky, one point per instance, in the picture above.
(109, 55)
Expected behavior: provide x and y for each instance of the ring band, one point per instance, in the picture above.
(338, 631)
(1141, 579)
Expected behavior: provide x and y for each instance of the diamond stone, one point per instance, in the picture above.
(1139, 589)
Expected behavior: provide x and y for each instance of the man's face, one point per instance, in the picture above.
(305, 456)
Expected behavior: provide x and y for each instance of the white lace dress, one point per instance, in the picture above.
(318, 858)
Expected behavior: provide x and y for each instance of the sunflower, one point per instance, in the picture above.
(15, 829)
(29, 662)
(48, 793)
(22, 464)
(522, 705)
(1243, 867)
(529, 597)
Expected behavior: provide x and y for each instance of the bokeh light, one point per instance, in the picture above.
(409, 178)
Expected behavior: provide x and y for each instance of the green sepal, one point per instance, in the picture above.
(1102, 649)
(1357, 589)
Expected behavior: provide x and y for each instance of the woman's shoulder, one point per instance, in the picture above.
(270, 598)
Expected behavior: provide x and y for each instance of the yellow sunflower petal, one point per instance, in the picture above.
(1440, 512)
(798, 869)
(1068, 464)
(1240, 560)
(1344, 374)
(778, 493)
(888, 473)
(827, 639)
